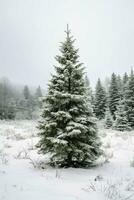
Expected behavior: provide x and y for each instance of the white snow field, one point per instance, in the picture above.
(23, 175)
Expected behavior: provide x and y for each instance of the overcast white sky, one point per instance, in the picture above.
(31, 30)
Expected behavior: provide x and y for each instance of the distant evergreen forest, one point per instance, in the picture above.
(109, 99)
(18, 102)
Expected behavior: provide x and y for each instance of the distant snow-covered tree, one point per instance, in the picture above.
(129, 100)
(125, 78)
(28, 103)
(120, 86)
(100, 101)
(68, 129)
(26, 92)
(7, 100)
(114, 95)
(38, 92)
(125, 83)
(121, 123)
(89, 92)
(38, 101)
(108, 119)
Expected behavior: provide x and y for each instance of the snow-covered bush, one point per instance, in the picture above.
(110, 191)
(37, 163)
(23, 154)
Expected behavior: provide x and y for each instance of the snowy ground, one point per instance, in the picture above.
(22, 176)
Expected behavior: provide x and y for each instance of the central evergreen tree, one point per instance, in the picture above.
(68, 128)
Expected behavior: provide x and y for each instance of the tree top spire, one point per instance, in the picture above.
(67, 31)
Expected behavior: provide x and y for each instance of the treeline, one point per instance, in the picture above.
(114, 101)
(19, 102)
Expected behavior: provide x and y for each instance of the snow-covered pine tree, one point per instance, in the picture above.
(121, 123)
(108, 119)
(129, 99)
(26, 92)
(38, 92)
(125, 78)
(113, 95)
(100, 100)
(120, 86)
(38, 98)
(7, 100)
(68, 130)
(125, 83)
(28, 103)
